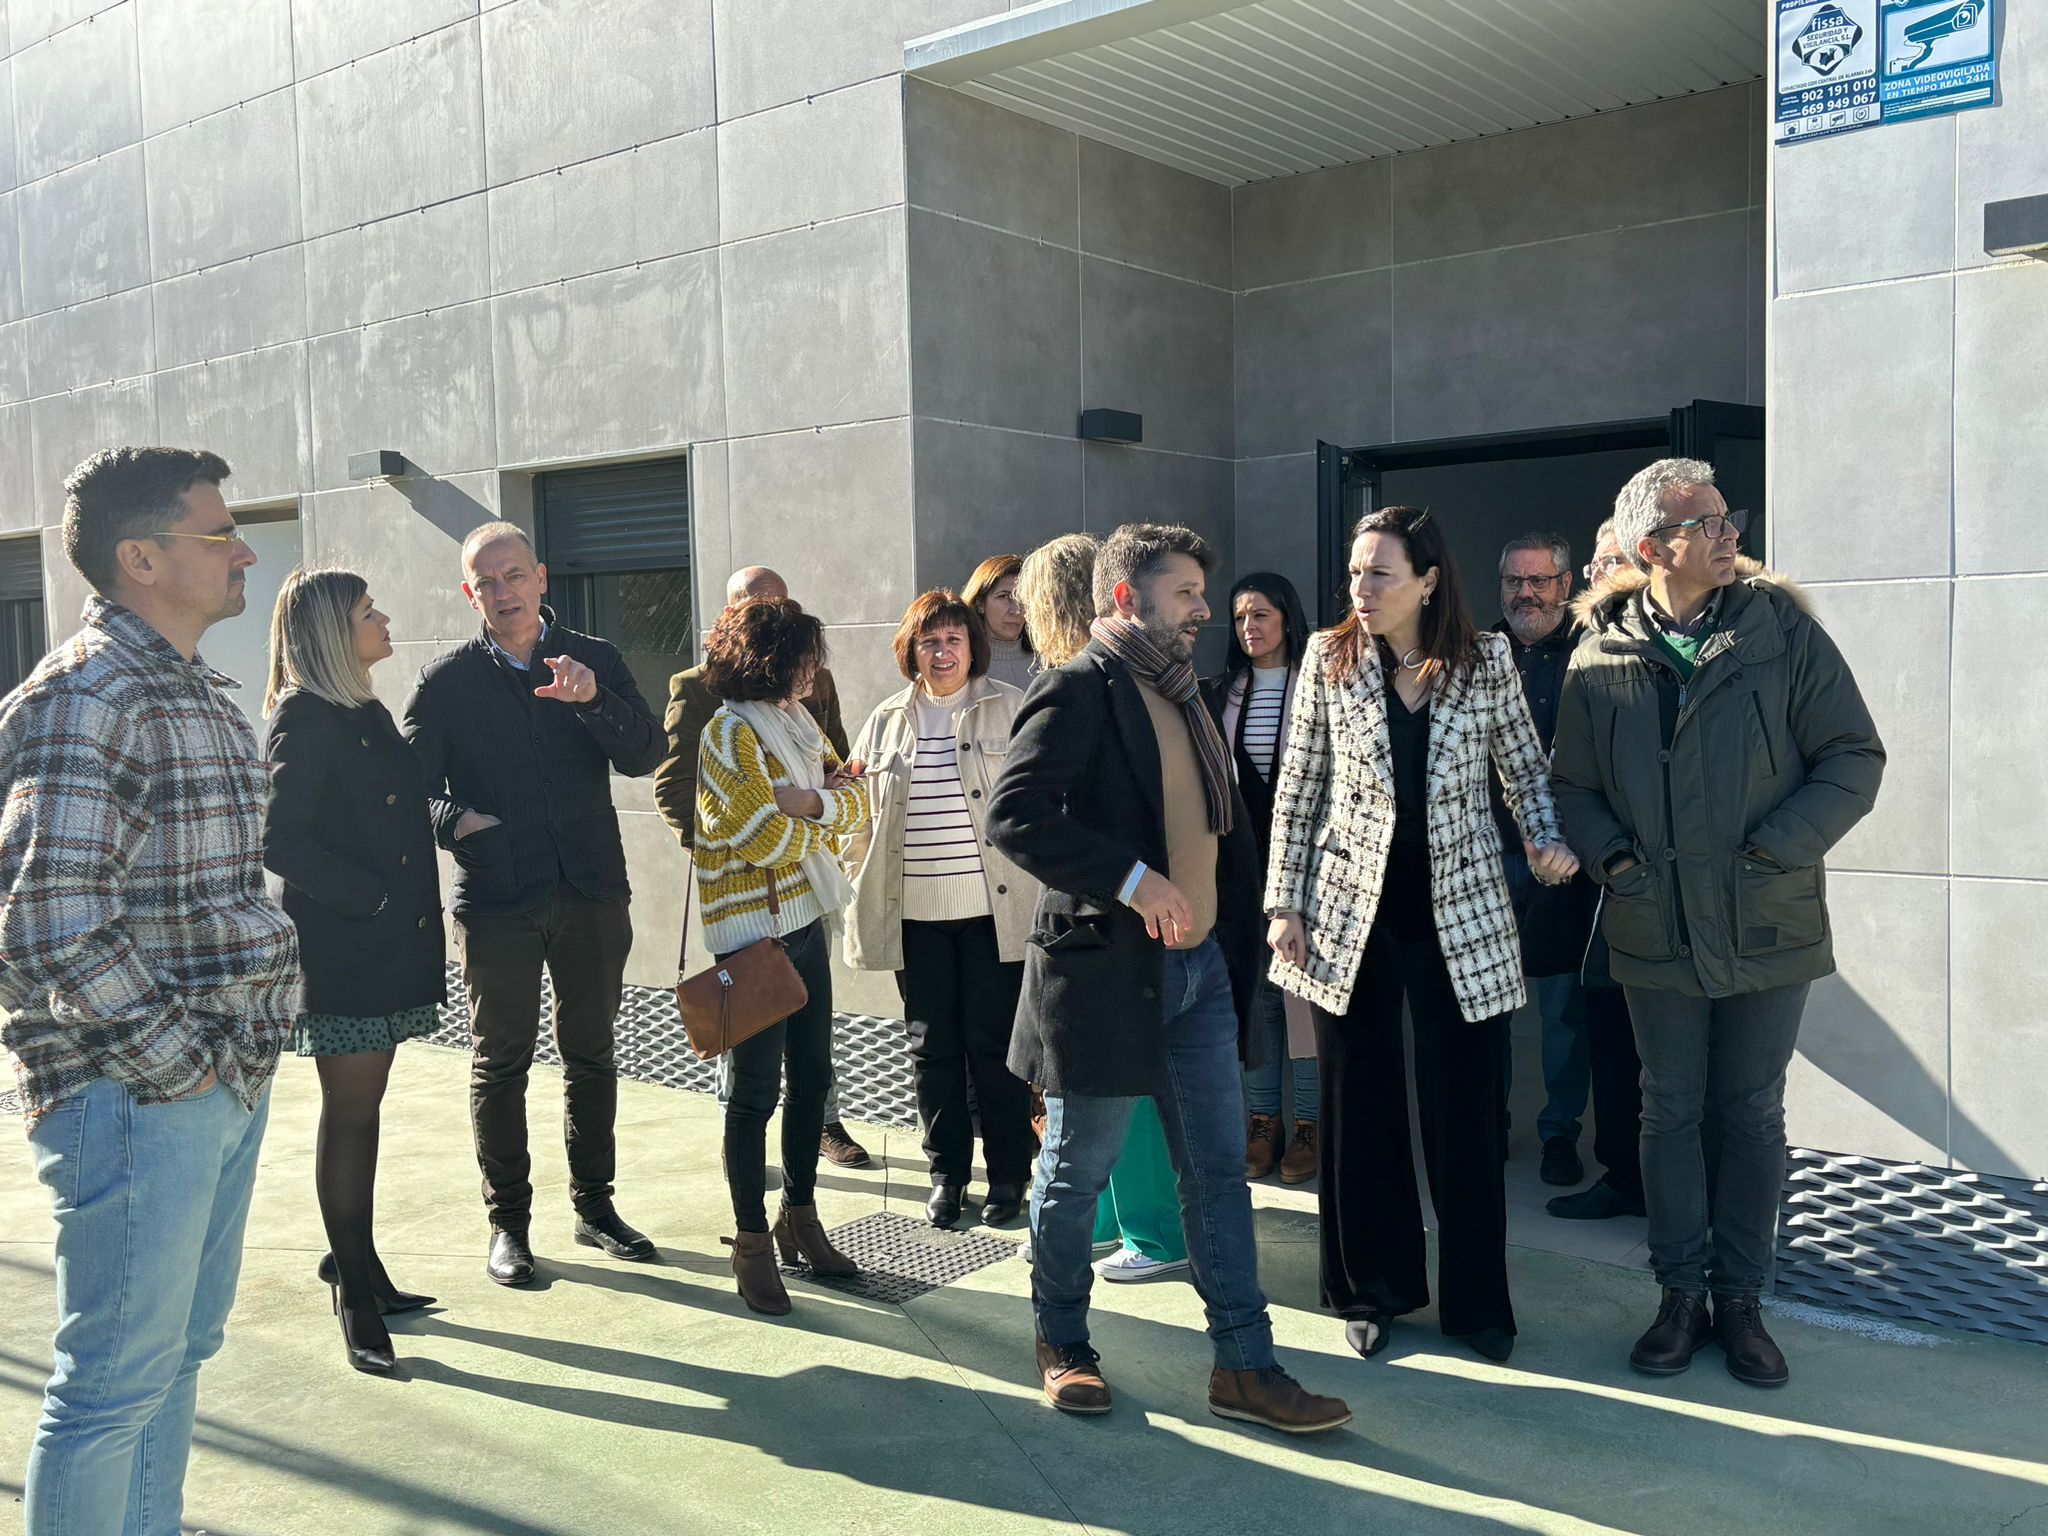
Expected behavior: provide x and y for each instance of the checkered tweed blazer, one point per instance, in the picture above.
(1333, 823)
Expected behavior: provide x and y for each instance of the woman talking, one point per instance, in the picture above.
(1386, 882)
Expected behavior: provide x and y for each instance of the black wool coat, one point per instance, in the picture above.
(542, 767)
(1080, 800)
(346, 829)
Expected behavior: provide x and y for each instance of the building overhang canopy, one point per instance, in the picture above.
(1235, 92)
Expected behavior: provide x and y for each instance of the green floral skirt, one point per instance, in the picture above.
(334, 1034)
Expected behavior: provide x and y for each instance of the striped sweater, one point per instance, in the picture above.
(742, 834)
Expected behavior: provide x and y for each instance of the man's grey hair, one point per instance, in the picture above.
(491, 533)
(1137, 552)
(1602, 535)
(1554, 544)
(1639, 509)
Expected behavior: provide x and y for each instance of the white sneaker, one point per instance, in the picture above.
(1129, 1264)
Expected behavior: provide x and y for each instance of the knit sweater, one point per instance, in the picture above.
(1009, 662)
(742, 834)
(943, 880)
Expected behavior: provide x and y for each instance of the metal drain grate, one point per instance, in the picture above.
(901, 1259)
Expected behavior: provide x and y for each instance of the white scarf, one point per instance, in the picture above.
(789, 735)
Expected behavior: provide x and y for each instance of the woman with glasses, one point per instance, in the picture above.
(346, 830)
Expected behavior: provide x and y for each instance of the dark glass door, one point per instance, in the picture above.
(1731, 438)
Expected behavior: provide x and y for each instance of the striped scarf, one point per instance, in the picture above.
(1127, 641)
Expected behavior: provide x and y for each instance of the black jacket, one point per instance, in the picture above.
(542, 767)
(347, 831)
(1080, 801)
(1555, 920)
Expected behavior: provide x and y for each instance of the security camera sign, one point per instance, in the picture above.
(1847, 64)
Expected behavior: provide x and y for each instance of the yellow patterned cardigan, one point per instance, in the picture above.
(742, 834)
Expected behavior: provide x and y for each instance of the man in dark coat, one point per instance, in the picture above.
(1118, 798)
(518, 731)
(1712, 746)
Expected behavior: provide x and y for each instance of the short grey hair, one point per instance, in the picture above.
(1604, 534)
(1554, 544)
(491, 533)
(1639, 509)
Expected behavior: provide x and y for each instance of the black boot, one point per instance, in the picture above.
(943, 1208)
(511, 1260)
(1681, 1328)
(1004, 1203)
(604, 1230)
(1753, 1355)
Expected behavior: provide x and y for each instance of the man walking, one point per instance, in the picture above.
(1712, 746)
(518, 731)
(147, 978)
(1118, 798)
(691, 704)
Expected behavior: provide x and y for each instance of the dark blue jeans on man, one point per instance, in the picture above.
(1201, 1102)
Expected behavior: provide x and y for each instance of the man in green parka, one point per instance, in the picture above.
(1711, 748)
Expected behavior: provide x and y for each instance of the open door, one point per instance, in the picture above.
(1335, 514)
(1731, 438)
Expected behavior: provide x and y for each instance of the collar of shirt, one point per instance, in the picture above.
(137, 633)
(1704, 621)
(514, 661)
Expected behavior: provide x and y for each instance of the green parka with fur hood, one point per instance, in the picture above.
(1728, 790)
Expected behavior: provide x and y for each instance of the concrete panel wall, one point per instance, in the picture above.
(1905, 374)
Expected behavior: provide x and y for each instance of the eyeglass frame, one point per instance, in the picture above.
(1534, 583)
(1737, 520)
(235, 537)
(1600, 565)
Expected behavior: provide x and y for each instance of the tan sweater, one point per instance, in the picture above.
(1190, 845)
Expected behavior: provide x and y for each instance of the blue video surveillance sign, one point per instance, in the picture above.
(1848, 64)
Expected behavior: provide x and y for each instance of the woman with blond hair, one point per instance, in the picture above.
(346, 830)
(992, 593)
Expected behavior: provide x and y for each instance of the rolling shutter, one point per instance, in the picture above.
(621, 517)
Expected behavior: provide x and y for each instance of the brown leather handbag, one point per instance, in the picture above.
(741, 995)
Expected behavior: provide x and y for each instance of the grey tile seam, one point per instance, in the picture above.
(1061, 245)
(1955, 274)
(1059, 437)
(483, 157)
(14, 53)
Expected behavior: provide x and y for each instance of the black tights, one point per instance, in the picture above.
(345, 1177)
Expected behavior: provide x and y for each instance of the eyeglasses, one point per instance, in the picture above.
(1533, 583)
(1602, 566)
(1715, 528)
(232, 536)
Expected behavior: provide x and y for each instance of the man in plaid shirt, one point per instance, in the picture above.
(147, 977)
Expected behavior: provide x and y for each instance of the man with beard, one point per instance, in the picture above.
(1118, 798)
(1535, 587)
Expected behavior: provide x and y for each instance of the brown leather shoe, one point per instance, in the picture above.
(840, 1149)
(1299, 1165)
(753, 1266)
(801, 1237)
(1262, 1146)
(1073, 1378)
(1275, 1399)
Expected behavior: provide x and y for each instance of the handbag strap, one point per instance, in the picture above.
(690, 894)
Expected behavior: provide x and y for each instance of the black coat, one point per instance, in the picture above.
(347, 831)
(542, 767)
(1555, 921)
(1081, 799)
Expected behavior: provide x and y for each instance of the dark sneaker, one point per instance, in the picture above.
(1599, 1203)
(840, 1149)
(1073, 1378)
(1275, 1399)
(1561, 1163)
(1753, 1355)
(1682, 1326)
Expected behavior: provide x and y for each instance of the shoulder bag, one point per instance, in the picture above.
(741, 995)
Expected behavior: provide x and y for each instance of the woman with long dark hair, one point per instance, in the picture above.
(992, 593)
(1386, 881)
(1268, 637)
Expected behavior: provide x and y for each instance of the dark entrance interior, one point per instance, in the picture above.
(1487, 490)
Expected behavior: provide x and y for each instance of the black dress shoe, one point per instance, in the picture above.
(1369, 1335)
(1681, 1328)
(1561, 1163)
(375, 1358)
(1494, 1344)
(511, 1260)
(605, 1230)
(1598, 1203)
(1003, 1203)
(1753, 1355)
(388, 1301)
(943, 1208)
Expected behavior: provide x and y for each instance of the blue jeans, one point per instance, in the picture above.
(1269, 1041)
(150, 1203)
(1567, 1075)
(1202, 1107)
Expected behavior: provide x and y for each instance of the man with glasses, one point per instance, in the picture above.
(1712, 746)
(1535, 588)
(147, 978)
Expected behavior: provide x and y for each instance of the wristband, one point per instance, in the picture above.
(1130, 885)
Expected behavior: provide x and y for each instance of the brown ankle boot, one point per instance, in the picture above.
(1275, 1399)
(1299, 1165)
(1262, 1146)
(753, 1265)
(800, 1235)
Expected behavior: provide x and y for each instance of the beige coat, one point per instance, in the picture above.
(1333, 824)
(888, 745)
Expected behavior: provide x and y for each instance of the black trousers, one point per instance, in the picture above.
(801, 1045)
(1374, 1253)
(583, 944)
(1617, 1074)
(959, 1003)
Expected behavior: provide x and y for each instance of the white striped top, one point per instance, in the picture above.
(1262, 711)
(942, 874)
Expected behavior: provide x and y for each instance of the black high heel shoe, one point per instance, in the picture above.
(1370, 1334)
(371, 1362)
(387, 1301)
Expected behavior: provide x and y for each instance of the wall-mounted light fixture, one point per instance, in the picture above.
(1112, 427)
(384, 464)
(2017, 227)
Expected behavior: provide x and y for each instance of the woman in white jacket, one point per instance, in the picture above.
(938, 905)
